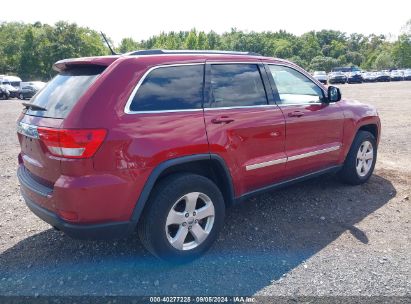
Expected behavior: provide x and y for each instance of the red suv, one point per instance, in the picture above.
(164, 141)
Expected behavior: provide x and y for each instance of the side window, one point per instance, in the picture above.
(294, 87)
(170, 88)
(234, 85)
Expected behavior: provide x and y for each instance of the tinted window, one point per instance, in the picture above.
(170, 88)
(294, 87)
(237, 85)
(61, 94)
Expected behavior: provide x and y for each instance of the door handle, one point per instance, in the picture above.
(296, 114)
(222, 120)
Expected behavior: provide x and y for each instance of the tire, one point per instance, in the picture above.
(21, 96)
(349, 173)
(168, 195)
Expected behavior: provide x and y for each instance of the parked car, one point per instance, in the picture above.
(396, 76)
(28, 91)
(4, 94)
(164, 141)
(11, 91)
(369, 77)
(354, 77)
(382, 76)
(407, 74)
(337, 77)
(321, 76)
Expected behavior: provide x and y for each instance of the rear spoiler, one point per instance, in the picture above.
(64, 64)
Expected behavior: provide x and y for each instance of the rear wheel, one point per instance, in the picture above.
(360, 162)
(182, 217)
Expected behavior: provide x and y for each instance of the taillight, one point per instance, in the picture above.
(72, 143)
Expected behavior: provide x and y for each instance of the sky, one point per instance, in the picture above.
(141, 19)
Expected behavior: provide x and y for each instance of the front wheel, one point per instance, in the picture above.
(361, 158)
(182, 218)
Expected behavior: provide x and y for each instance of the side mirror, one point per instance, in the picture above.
(334, 94)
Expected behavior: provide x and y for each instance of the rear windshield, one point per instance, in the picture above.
(61, 94)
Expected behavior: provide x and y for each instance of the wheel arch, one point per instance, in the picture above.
(209, 165)
(372, 128)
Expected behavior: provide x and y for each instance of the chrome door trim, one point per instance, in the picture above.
(266, 164)
(314, 153)
(287, 159)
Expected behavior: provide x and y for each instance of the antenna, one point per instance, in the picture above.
(108, 44)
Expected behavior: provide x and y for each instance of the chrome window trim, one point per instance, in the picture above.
(288, 159)
(140, 82)
(299, 104)
(266, 164)
(134, 92)
(241, 107)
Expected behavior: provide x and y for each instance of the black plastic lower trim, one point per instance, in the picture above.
(287, 183)
(106, 231)
(28, 181)
(145, 193)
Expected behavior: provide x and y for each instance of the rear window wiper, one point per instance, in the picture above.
(33, 107)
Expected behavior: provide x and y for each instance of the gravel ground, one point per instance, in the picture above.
(316, 238)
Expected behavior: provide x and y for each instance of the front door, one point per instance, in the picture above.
(314, 129)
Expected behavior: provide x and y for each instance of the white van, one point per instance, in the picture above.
(11, 80)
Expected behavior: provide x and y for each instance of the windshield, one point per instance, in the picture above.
(61, 94)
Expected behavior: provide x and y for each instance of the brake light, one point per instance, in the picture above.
(72, 143)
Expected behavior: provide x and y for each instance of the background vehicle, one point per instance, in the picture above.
(337, 77)
(369, 77)
(27, 91)
(9, 89)
(396, 76)
(383, 76)
(141, 144)
(354, 77)
(14, 81)
(321, 76)
(407, 74)
(4, 94)
(347, 69)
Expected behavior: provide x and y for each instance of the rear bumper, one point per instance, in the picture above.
(40, 199)
(104, 231)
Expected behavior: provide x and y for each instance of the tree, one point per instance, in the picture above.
(202, 42)
(310, 47)
(191, 40)
(352, 58)
(321, 63)
(401, 52)
(383, 61)
(283, 48)
(128, 45)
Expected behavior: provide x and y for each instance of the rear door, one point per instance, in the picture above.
(242, 127)
(314, 129)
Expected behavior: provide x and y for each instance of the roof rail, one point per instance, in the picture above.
(177, 52)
